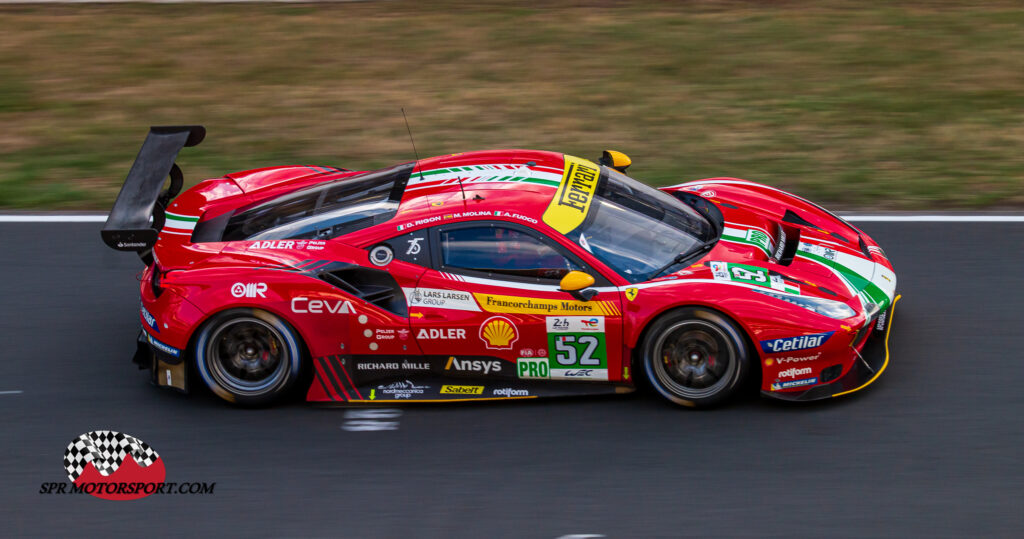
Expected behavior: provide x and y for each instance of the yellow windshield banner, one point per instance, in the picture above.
(571, 203)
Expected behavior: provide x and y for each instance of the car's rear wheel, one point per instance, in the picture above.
(695, 357)
(248, 356)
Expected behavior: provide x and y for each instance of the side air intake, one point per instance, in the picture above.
(370, 285)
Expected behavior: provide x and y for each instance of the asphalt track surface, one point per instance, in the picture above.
(931, 450)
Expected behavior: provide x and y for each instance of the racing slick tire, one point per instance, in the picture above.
(695, 357)
(248, 356)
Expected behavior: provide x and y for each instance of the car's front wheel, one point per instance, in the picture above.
(695, 357)
(248, 356)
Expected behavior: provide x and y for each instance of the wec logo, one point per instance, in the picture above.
(789, 344)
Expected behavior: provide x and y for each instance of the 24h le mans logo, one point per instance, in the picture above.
(99, 460)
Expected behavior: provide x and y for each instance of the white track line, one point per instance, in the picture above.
(14, 392)
(937, 218)
(49, 218)
(911, 218)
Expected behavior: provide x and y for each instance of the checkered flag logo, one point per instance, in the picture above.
(106, 450)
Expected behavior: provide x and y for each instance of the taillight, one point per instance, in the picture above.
(155, 281)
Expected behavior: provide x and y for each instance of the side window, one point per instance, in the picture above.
(503, 252)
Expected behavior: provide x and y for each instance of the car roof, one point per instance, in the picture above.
(491, 180)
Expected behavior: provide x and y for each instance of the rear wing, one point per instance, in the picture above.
(129, 226)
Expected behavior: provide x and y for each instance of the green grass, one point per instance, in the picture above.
(882, 105)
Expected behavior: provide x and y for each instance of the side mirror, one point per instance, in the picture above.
(617, 160)
(577, 283)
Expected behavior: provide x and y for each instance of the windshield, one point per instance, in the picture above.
(636, 229)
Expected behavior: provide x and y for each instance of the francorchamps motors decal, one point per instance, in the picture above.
(494, 303)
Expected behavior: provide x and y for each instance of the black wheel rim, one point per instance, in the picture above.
(694, 359)
(247, 356)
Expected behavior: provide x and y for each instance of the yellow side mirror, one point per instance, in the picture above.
(617, 160)
(576, 280)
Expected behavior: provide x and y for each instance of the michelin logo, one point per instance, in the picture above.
(794, 383)
(790, 344)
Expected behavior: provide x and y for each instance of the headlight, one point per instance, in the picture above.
(826, 307)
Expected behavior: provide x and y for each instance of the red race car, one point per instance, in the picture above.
(509, 274)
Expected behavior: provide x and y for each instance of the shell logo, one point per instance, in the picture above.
(499, 333)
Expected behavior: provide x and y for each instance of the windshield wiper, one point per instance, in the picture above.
(679, 258)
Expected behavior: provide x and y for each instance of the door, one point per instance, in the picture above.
(490, 304)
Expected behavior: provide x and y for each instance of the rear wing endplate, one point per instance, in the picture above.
(128, 226)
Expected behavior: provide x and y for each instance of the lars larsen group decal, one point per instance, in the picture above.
(439, 298)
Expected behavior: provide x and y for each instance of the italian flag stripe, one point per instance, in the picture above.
(177, 217)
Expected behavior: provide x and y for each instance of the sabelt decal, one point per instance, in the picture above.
(519, 305)
(571, 202)
(790, 344)
(440, 299)
(462, 390)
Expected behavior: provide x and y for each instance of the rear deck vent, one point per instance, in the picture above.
(839, 237)
(792, 218)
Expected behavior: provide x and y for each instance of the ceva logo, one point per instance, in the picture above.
(789, 344)
(113, 466)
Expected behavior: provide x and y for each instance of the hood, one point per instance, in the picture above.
(778, 240)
